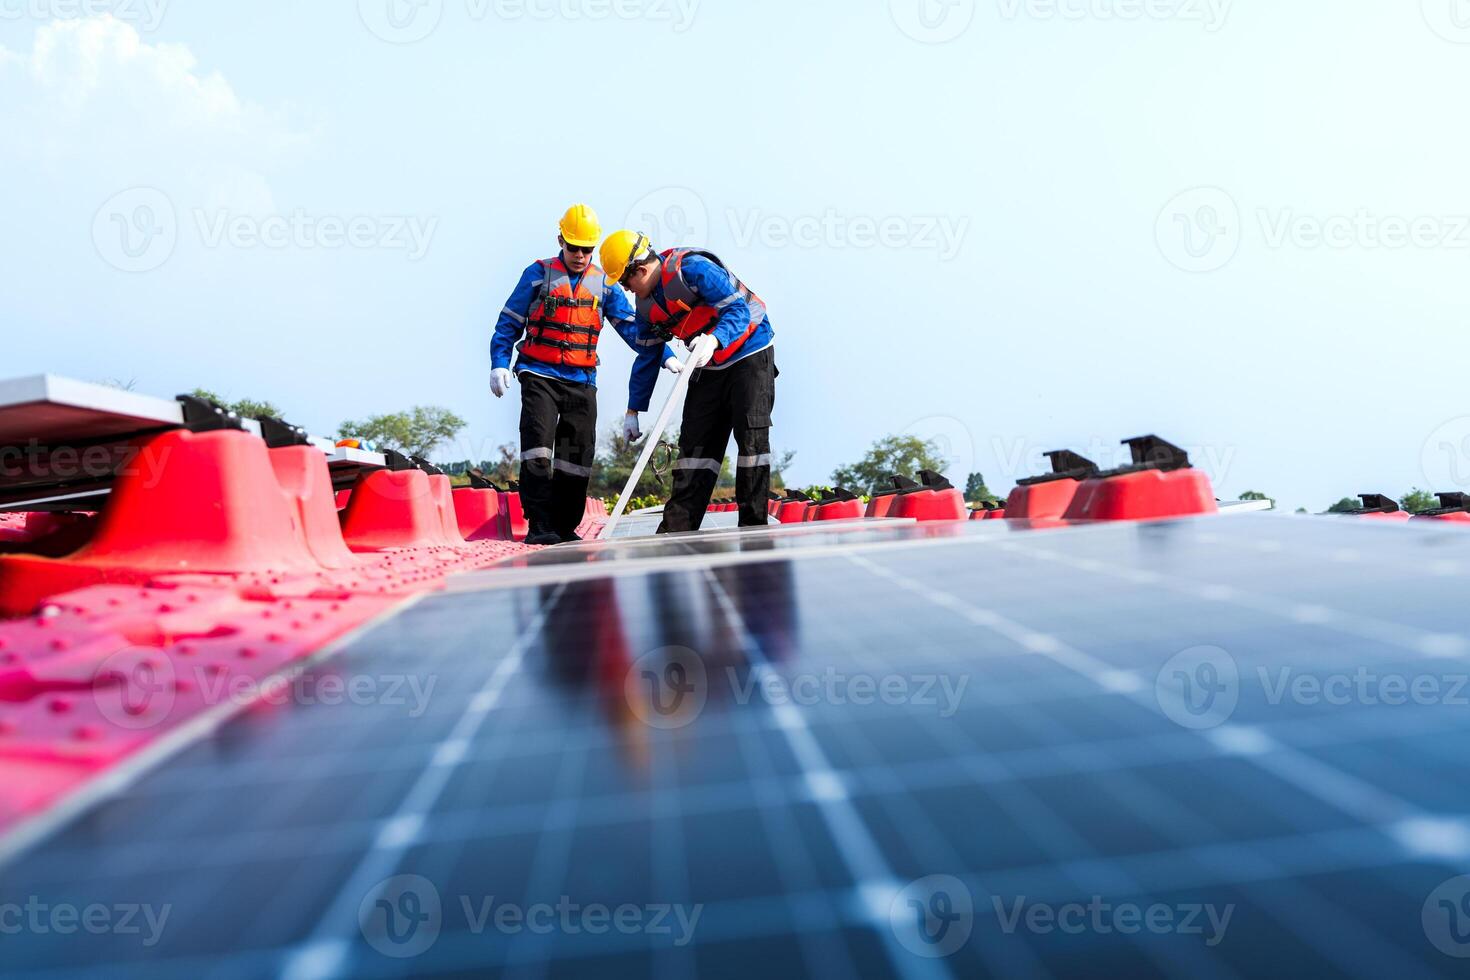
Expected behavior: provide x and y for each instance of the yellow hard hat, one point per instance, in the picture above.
(621, 250)
(580, 227)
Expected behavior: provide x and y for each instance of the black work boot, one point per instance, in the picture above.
(541, 535)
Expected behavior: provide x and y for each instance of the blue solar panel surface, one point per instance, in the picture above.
(1218, 748)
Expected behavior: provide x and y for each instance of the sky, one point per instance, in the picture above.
(1007, 225)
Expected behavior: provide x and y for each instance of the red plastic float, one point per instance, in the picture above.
(838, 505)
(1160, 483)
(1454, 508)
(1050, 495)
(935, 499)
(1377, 507)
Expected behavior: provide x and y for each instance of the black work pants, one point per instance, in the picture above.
(558, 447)
(739, 398)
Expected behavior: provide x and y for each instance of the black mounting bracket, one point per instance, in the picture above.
(1065, 465)
(278, 434)
(203, 415)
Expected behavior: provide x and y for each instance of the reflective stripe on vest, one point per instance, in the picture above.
(564, 321)
(685, 316)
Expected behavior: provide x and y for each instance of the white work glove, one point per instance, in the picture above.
(674, 366)
(631, 430)
(703, 349)
(500, 382)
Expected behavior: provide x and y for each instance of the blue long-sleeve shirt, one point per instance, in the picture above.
(511, 325)
(716, 287)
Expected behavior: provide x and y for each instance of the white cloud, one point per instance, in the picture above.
(94, 104)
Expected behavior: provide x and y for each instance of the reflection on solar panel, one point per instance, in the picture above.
(1195, 748)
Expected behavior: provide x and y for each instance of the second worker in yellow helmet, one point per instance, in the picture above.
(690, 294)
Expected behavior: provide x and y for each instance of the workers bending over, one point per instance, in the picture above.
(559, 305)
(690, 294)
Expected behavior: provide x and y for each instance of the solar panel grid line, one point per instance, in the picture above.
(27, 834)
(512, 575)
(1353, 796)
(795, 863)
(549, 863)
(1407, 637)
(963, 769)
(1044, 826)
(328, 952)
(1316, 923)
(1276, 547)
(669, 849)
(860, 852)
(1312, 920)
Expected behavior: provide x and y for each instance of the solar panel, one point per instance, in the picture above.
(1201, 747)
(46, 408)
(62, 442)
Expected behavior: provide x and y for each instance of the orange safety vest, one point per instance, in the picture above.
(684, 315)
(565, 319)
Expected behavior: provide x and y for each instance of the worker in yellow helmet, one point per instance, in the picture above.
(551, 325)
(690, 294)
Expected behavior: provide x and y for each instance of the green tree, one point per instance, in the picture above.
(1345, 506)
(1417, 501)
(976, 492)
(246, 408)
(903, 455)
(1257, 495)
(415, 432)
